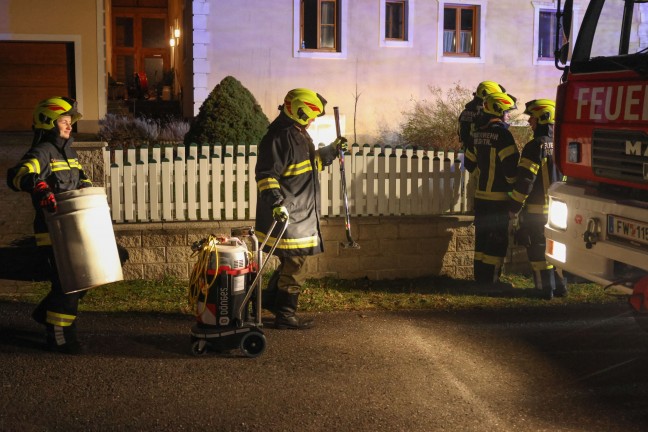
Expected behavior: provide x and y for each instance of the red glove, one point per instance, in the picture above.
(45, 197)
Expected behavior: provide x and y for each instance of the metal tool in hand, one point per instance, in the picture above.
(347, 221)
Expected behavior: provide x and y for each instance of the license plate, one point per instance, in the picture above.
(627, 229)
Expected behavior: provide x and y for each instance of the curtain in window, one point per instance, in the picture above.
(466, 42)
(449, 42)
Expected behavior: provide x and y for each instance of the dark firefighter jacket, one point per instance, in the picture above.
(287, 174)
(535, 173)
(54, 161)
(495, 157)
(471, 111)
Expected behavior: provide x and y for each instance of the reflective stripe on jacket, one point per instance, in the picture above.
(495, 157)
(55, 162)
(287, 174)
(535, 173)
(471, 111)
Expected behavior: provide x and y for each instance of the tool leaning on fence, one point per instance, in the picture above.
(347, 218)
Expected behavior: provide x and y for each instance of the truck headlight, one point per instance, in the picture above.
(556, 250)
(557, 214)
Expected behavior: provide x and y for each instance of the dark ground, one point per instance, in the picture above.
(576, 368)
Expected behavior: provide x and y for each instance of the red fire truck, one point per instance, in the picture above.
(598, 217)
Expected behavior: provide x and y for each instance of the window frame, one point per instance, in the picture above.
(479, 32)
(408, 25)
(458, 30)
(340, 33)
(138, 52)
(544, 6)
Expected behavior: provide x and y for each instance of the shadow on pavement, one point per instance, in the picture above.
(21, 261)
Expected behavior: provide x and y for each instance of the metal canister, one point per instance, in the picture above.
(83, 240)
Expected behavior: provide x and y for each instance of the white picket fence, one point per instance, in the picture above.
(163, 183)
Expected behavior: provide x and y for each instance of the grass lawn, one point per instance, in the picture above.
(322, 295)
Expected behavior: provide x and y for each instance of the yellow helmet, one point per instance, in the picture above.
(543, 110)
(302, 104)
(487, 87)
(49, 110)
(498, 103)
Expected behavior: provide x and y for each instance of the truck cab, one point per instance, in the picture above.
(598, 217)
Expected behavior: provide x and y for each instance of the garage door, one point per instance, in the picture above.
(29, 73)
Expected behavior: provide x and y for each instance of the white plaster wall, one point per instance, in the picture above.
(253, 42)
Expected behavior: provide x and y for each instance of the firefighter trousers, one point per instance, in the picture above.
(491, 239)
(58, 310)
(545, 276)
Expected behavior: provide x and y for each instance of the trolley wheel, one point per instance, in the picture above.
(198, 347)
(253, 344)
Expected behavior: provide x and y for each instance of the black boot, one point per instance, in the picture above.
(561, 286)
(40, 313)
(286, 306)
(63, 339)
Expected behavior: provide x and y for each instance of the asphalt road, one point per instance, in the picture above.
(564, 369)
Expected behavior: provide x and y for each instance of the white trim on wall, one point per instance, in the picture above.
(409, 25)
(102, 79)
(480, 58)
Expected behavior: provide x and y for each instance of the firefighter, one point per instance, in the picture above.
(494, 157)
(49, 167)
(473, 110)
(289, 191)
(535, 173)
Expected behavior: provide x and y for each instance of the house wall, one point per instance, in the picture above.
(68, 21)
(255, 45)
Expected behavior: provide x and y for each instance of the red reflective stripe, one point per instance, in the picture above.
(230, 271)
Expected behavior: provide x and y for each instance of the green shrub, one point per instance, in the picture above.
(230, 114)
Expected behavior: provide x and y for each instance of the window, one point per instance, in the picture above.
(395, 20)
(395, 23)
(320, 28)
(139, 45)
(461, 31)
(546, 35)
(544, 31)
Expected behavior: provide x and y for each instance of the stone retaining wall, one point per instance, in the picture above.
(391, 247)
